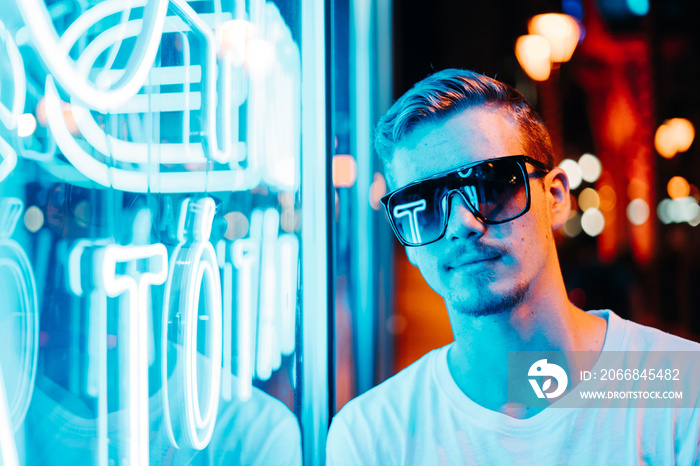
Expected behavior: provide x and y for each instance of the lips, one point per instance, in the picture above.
(469, 261)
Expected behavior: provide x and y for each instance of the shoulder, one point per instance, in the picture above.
(637, 337)
(649, 338)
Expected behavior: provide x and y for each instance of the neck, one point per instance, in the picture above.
(539, 323)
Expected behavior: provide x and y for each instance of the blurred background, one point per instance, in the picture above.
(633, 242)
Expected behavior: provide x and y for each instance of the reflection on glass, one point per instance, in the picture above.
(149, 233)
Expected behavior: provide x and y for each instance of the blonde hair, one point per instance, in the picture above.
(449, 91)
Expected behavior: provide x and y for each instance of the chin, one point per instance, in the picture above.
(484, 301)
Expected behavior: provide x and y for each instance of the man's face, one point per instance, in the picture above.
(478, 269)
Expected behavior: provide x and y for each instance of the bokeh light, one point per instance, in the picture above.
(638, 7)
(561, 31)
(573, 172)
(236, 225)
(590, 167)
(588, 199)
(235, 35)
(685, 209)
(33, 219)
(376, 191)
(683, 133)
(572, 227)
(663, 211)
(694, 220)
(678, 187)
(344, 170)
(693, 214)
(673, 136)
(534, 55)
(592, 222)
(638, 211)
(26, 125)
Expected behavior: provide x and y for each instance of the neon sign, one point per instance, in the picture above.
(239, 109)
(192, 266)
(20, 380)
(17, 271)
(246, 259)
(8, 159)
(9, 116)
(271, 84)
(135, 334)
(266, 279)
(8, 447)
(97, 330)
(55, 52)
(265, 263)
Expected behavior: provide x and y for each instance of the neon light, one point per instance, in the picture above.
(227, 309)
(411, 210)
(135, 384)
(274, 99)
(96, 383)
(193, 263)
(55, 54)
(267, 348)
(288, 257)
(131, 152)
(134, 181)
(8, 448)
(140, 103)
(14, 259)
(245, 253)
(274, 109)
(9, 117)
(8, 159)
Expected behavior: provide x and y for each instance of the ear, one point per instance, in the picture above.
(559, 200)
(411, 254)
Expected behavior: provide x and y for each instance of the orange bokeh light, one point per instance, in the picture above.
(678, 187)
(344, 170)
(674, 136)
(534, 55)
(561, 31)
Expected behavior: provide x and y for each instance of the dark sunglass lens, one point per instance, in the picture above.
(501, 192)
(418, 213)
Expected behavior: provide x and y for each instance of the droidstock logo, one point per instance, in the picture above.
(547, 371)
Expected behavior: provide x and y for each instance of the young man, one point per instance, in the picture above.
(475, 200)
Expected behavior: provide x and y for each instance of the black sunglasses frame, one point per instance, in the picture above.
(519, 159)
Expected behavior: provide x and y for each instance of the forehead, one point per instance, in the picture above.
(469, 136)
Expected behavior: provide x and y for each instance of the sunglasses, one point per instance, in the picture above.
(495, 191)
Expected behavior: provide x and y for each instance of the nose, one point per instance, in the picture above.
(462, 223)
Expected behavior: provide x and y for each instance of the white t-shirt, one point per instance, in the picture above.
(420, 416)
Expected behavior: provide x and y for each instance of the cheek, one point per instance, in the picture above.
(529, 237)
(427, 263)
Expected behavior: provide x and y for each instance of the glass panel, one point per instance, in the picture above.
(364, 326)
(150, 232)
